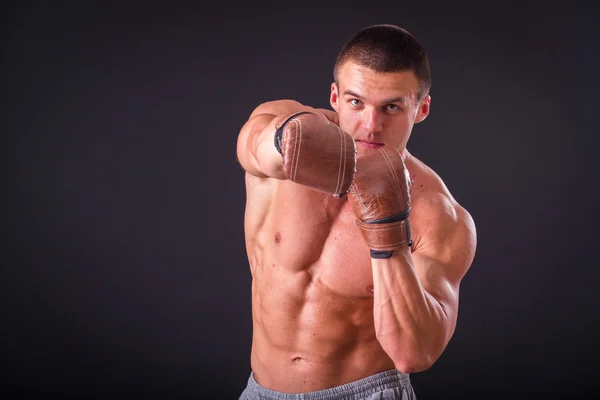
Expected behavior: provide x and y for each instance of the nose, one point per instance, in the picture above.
(372, 121)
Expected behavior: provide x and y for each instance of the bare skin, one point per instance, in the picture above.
(325, 313)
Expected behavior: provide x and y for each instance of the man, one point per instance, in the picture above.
(356, 248)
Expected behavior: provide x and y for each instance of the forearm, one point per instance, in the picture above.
(410, 324)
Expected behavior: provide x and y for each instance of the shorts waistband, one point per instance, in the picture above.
(356, 390)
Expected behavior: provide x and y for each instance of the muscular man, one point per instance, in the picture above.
(356, 248)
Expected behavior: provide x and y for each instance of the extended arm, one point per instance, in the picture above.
(286, 140)
(255, 145)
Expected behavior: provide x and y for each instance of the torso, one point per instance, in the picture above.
(312, 288)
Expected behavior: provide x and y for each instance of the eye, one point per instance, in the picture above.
(355, 102)
(392, 107)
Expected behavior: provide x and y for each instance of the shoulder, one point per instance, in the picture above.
(442, 227)
(330, 114)
(288, 106)
(276, 107)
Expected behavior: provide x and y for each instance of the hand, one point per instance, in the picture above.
(316, 152)
(380, 197)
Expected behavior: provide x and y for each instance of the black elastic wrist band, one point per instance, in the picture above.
(279, 132)
(379, 254)
(392, 218)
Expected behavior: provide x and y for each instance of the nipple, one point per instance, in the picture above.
(370, 289)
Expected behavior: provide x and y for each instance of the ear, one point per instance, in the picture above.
(423, 110)
(334, 97)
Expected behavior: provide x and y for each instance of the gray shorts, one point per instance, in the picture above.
(386, 385)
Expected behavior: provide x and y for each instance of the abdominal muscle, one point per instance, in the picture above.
(312, 299)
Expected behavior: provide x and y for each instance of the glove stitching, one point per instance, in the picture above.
(392, 228)
(357, 192)
(396, 180)
(297, 144)
(383, 227)
(338, 186)
(389, 246)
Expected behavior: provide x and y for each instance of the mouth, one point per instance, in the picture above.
(369, 145)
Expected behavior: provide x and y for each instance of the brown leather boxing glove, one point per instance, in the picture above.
(316, 152)
(380, 197)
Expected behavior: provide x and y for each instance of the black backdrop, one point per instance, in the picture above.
(124, 265)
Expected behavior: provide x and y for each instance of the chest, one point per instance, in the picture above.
(345, 263)
(318, 234)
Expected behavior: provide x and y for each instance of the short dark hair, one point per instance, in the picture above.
(387, 48)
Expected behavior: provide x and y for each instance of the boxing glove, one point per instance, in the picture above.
(380, 198)
(316, 152)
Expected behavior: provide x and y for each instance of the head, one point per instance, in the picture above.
(381, 86)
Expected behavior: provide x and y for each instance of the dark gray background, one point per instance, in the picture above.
(124, 265)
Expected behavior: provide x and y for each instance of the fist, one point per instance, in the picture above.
(380, 198)
(316, 152)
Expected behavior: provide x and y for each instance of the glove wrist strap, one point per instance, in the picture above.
(381, 254)
(281, 125)
(383, 239)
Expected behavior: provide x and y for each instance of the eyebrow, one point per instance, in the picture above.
(398, 99)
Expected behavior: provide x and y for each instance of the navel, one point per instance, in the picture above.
(277, 237)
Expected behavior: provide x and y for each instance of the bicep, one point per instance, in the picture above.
(437, 280)
(444, 257)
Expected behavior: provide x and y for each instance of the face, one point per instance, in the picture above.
(377, 109)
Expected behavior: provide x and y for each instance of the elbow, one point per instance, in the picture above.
(413, 360)
(412, 356)
(411, 365)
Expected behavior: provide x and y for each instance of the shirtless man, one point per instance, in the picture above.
(356, 248)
